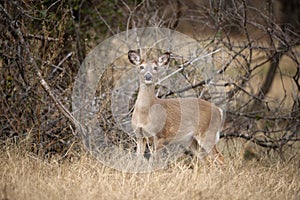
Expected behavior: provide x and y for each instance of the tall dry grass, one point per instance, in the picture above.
(26, 176)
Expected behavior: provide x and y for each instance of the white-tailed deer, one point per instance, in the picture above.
(191, 122)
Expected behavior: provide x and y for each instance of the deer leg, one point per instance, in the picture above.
(217, 156)
(151, 143)
(152, 147)
(141, 145)
(197, 150)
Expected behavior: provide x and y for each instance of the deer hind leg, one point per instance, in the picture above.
(197, 150)
(213, 157)
(216, 157)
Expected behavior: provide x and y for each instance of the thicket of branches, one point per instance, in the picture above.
(44, 42)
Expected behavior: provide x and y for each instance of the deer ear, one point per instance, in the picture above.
(164, 59)
(134, 57)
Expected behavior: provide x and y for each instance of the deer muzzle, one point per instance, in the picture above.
(148, 77)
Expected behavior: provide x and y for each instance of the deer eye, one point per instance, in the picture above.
(142, 67)
(155, 68)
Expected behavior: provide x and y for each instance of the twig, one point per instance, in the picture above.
(40, 37)
(182, 67)
(263, 143)
(15, 27)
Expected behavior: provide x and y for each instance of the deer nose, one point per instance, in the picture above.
(148, 77)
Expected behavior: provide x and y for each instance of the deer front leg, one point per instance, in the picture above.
(140, 142)
(152, 144)
(141, 145)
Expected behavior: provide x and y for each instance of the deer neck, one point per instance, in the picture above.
(145, 98)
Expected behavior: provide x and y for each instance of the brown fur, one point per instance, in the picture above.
(188, 121)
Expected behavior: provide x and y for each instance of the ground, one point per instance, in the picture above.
(24, 175)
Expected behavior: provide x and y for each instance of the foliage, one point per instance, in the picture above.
(260, 43)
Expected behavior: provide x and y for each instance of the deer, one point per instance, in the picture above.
(192, 122)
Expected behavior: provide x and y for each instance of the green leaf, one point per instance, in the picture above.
(43, 13)
(257, 117)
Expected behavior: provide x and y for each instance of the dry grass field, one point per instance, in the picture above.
(26, 176)
(59, 36)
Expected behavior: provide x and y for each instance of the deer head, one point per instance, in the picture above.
(148, 68)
